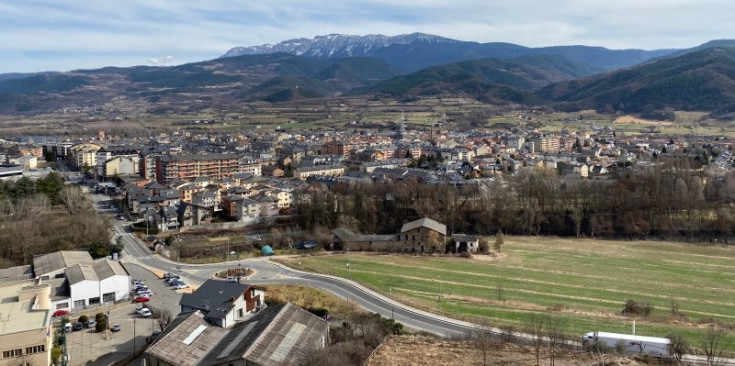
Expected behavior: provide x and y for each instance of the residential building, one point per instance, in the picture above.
(61, 150)
(189, 167)
(84, 155)
(224, 304)
(464, 243)
(25, 323)
(325, 170)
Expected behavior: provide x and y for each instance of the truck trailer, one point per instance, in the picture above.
(632, 344)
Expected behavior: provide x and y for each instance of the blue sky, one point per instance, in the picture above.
(38, 35)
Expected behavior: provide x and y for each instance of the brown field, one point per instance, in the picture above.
(424, 351)
(630, 120)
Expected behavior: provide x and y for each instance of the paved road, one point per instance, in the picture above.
(272, 273)
(137, 252)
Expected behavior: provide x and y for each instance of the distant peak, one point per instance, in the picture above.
(336, 44)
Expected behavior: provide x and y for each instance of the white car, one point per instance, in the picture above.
(144, 312)
(181, 285)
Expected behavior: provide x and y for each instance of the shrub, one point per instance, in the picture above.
(83, 319)
(101, 325)
(632, 307)
(465, 255)
(483, 246)
(99, 317)
(55, 354)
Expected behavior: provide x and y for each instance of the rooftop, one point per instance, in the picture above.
(427, 223)
(24, 306)
(52, 262)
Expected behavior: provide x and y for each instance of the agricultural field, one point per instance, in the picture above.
(586, 282)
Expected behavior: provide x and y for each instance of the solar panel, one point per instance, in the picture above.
(196, 333)
(288, 342)
(238, 339)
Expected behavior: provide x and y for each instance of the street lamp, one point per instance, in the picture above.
(439, 299)
(349, 275)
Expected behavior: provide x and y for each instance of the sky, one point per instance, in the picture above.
(63, 35)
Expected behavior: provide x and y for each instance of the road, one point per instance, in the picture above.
(268, 273)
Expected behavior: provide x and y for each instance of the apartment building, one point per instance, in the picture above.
(189, 167)
(25, 318)
(325, 170)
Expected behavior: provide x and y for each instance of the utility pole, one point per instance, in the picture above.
(133, 337)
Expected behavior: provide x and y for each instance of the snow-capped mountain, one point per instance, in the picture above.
(338, 45)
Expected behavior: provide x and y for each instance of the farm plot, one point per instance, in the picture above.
(585, 282)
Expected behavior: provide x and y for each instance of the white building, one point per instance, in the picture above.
(105, 280)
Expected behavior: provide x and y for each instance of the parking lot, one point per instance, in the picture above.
(87, 347)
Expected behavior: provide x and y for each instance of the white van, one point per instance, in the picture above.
(67, 328)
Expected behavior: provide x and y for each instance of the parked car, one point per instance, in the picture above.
(181, 285)
(91, 323)
(144, 312)
(61, 312)
(148, 293)
(115, 328)
(172, 280)
(231, 279)
(141, 289)
(142, 299)
(77, 326)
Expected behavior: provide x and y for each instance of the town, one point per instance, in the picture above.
(232, 199)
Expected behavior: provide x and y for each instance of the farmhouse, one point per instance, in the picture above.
(422, 235)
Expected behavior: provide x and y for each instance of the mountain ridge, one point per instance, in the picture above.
(415, 51)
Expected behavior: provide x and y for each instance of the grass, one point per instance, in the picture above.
(585, 281)
(309, 297)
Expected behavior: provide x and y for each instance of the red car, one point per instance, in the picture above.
(142, 299)
(61, 312)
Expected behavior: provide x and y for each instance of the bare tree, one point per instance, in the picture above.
(535, 328)
(712, 344)
(555, 334)
(499, 241)
(482, 339)
(678, 346)
(74, 200)
(164, 318)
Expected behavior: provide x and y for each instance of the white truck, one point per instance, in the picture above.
(631, 344)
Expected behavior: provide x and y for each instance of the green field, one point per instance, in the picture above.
(584, 281)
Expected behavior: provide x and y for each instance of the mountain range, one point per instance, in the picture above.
(408, 66)
(413, 52)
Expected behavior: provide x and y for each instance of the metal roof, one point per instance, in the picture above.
(52, 262)
(427, 223)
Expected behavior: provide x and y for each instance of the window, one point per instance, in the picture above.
(94, 300)
(62, 305)
(79, 304)
(108, 297)
(13, 353)
(35, 349)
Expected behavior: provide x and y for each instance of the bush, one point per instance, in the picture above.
(320, 312)
(101, 325)
(632, 307)
(55, 354)
(100, 317)
(83, 319)
(483, 246)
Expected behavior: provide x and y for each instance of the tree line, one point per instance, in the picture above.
(44, 216)
(666, 200)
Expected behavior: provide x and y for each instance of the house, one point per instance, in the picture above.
(422, 235)
(224, 304)
(25, 323)
(280, 335)
(248, 211)
(192, 214)
(464, 243)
